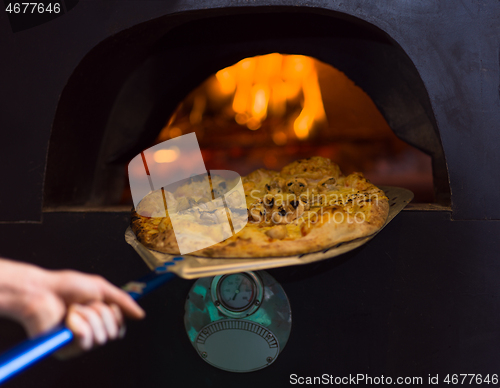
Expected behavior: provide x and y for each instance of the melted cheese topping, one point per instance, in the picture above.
(318, 191)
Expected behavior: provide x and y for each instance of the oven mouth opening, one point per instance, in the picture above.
(254, 98)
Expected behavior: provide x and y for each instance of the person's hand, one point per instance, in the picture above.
(92, 324)
(40, 299)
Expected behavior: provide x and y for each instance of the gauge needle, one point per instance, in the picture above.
(238, 290)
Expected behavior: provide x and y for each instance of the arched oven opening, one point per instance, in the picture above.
(259, 90)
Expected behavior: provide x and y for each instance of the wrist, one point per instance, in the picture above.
(19, 285)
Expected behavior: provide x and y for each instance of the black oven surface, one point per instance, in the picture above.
(420, 299)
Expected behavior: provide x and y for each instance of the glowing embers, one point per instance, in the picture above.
(166, 155)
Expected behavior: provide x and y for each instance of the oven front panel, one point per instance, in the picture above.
(421, 298)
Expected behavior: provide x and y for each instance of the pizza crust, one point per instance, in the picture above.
(361, 212)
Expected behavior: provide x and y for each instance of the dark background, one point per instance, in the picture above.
(33, 15)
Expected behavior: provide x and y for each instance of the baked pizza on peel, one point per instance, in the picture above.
(306, 207)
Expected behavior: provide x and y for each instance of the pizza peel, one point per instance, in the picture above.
(164, 268)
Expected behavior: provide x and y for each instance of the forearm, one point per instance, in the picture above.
(19, 284)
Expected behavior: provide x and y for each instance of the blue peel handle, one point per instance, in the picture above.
(35, 349)
(30, 351)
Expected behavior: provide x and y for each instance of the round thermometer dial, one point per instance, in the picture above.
(237, 291)
(237, 295)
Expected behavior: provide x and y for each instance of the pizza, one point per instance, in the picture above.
(308, 206)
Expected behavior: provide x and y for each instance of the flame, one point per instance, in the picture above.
(260, 100)
(259, 88)
(313, 106)
(227, 80)
(264, 85)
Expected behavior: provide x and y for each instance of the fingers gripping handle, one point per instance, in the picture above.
(35, 349)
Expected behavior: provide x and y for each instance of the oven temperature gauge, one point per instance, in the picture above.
(237, 295)
(238, 322)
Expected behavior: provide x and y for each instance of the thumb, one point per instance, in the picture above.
(43, 312)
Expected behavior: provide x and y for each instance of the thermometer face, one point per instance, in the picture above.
(237, 292)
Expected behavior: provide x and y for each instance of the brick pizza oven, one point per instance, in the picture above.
(85, 92)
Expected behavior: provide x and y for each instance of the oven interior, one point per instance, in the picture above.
(259, 93)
